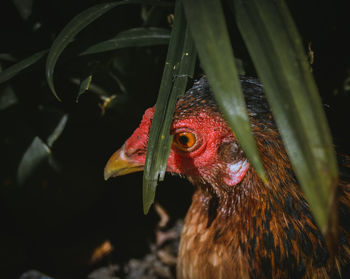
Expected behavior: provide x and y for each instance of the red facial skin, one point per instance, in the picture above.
(136, 145)
(202, 159)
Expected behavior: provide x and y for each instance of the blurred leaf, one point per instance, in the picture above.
(178, 67)
(152, 16)
(136, 37)
(7, 57)
(7, 98)
(84, 86)
(36, 154)
(240, 66)
(39, 153)
(54, 164)
(13, 70)
(277, 52)
(78, 23)
(57, 131)
(24, 7)
(118, 82)
(207, 24)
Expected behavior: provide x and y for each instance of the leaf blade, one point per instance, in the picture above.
(77, 24)
(13, 70)
(181, 50)
(208, 28)
(83, 87)
(36, 154)
(276, 49)
(135, 37)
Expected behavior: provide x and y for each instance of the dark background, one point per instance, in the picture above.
(56, 216)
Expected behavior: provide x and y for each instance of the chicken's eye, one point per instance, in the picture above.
(184, 140)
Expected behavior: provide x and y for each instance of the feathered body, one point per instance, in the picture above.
(237, 227)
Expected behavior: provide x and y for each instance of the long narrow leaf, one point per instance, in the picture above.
(136, 37)
(8, 97)
(13, 70)
(207, 23)
(179, 65)
(78, 23)
(56, 133)
(277, 52)
(37, 153)
(84, 86)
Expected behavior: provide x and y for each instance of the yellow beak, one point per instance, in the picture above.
(121, 164)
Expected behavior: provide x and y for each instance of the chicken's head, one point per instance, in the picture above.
(204, 147)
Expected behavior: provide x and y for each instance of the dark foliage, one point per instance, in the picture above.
(54, 218)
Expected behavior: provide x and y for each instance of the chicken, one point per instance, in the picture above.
(237, 227)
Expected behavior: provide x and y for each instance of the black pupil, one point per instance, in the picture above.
(183, 140)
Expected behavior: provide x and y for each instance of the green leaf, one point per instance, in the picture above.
(36, 154)
(77, 24)
(240, 66)
(152, 16)
(56, 133)
(136, 37)
(13, 70)
(178, 67)
(207, 24)
(24, 8)
(7, 57)
(277, 52)
(8, 98)
(84, 86)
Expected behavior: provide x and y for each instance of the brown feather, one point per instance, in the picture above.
(251, 230)
(236, 226)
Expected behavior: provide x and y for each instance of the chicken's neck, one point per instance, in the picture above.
(252, 229)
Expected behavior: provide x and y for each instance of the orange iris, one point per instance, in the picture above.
(184, 140)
